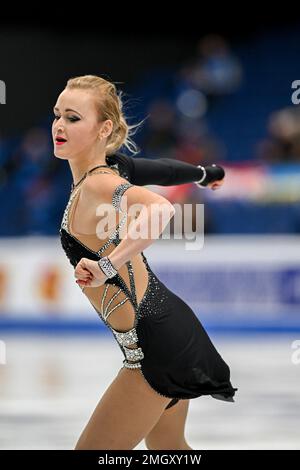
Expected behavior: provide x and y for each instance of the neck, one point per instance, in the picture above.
(80, 167)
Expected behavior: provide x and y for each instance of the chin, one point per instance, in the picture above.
(59, 155)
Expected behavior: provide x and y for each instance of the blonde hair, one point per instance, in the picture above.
(109, 106)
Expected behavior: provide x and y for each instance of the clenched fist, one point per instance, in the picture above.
(214, 177)
(89, 274)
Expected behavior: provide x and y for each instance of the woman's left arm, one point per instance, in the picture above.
(167, 171)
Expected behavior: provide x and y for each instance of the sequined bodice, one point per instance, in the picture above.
(114, 238)
(116, 286)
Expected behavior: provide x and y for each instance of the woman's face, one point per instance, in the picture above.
(77, 122)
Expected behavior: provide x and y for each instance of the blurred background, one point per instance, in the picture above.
(216, 92)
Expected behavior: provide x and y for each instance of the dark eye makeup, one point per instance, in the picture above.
(71, 118)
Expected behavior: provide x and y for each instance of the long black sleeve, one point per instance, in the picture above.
(161, 171)
(165, 172)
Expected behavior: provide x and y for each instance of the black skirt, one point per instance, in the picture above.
(180, 361)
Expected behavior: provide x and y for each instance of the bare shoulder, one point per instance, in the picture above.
(102, 185)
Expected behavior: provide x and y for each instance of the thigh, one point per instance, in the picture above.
(168, 432)
(126, 413)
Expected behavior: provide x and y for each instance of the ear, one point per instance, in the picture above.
(106, 129)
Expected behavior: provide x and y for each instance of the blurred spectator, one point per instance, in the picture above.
(161, 136)
(283, 142)
(196, 145)
(216, 70)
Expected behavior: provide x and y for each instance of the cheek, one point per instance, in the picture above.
(81, 136)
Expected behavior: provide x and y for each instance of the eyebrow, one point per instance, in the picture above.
(67, 109)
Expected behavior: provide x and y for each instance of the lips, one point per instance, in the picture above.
(60, 140)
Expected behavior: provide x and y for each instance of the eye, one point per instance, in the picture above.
(73, 118)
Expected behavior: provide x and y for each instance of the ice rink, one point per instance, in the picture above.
(50, 385)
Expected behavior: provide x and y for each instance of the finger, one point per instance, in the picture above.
(82, 282)
(84, 277)
(82, 272)
(83, 263)
(85, 272)
(79, 269)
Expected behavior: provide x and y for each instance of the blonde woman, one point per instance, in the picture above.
(168, 356)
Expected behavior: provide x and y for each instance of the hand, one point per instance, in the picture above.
(214, 179)
(89, 274)
(216, 184)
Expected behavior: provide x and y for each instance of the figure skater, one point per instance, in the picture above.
(168, 356)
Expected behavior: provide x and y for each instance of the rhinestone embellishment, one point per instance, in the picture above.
(127, 338)
(129, 365)
(64, 223)
(118, 193)
(133, 354)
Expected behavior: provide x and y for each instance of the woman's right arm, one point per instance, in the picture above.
(153, 214)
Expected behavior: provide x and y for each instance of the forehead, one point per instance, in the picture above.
(79, 100)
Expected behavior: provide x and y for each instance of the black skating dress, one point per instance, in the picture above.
(167, 342)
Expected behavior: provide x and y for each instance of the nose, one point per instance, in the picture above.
(57, 126)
